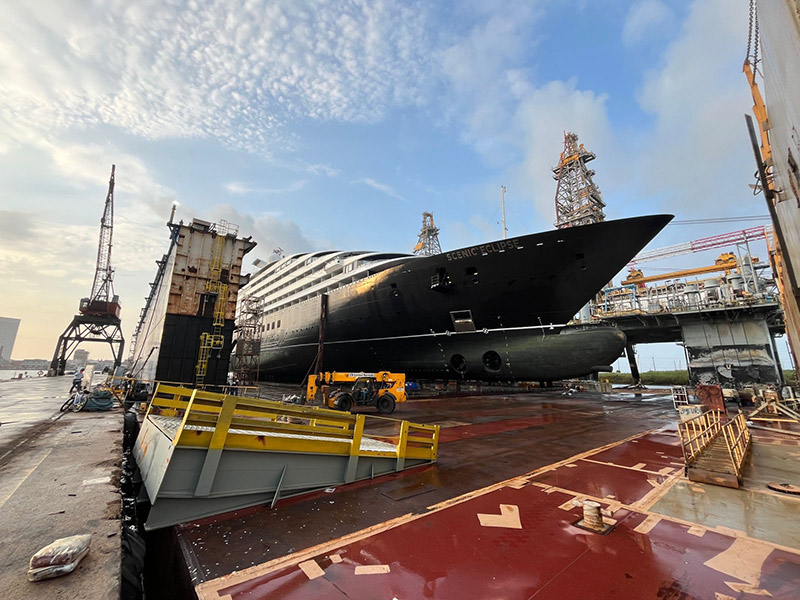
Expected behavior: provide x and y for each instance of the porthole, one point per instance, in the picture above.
(492, 361)
(459, 363)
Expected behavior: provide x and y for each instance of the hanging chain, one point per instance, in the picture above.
(752, 35)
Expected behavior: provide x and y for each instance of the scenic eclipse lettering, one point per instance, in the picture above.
(484, 249)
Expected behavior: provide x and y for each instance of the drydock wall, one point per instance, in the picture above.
(780, 41)
(725, 352)
(167, 346)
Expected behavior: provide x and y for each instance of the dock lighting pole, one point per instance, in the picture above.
(503, 209)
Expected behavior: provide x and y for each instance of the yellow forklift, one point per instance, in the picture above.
(342, 391)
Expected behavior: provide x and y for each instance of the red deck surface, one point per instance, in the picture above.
(462, 432)
(448, 553)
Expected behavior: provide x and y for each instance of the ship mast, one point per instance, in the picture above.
(503, 209)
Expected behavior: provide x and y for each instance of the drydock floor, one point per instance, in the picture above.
(494, 518)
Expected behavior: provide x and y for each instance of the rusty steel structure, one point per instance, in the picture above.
(192, 300)
(578, 200)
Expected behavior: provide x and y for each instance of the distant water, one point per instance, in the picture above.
(12, 373)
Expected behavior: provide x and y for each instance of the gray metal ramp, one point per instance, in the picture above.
(202, 453)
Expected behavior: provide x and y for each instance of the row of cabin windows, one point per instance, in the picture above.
(273, 325)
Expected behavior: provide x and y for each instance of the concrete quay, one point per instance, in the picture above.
(59, 476)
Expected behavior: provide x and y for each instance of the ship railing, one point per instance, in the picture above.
(737, 440)
(696, 434)
(203, 419)
(119, 385)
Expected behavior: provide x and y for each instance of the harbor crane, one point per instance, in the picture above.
(98, 314)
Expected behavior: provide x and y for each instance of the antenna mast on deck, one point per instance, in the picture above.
(428, 243)
(503, 208)
(578, 199)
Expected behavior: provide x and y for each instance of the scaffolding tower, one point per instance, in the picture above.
(428, 243)
(249, 328)
(578, 199)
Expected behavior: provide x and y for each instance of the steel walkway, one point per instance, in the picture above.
(714, 448)
(203, 453)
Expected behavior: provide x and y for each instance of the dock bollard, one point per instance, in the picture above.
(592, 517)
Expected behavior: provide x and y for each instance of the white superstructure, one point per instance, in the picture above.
(300, 277)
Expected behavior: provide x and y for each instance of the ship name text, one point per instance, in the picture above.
(484, 249)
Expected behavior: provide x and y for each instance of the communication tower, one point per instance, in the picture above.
(428, 243)
(98, 315)
(578, 199)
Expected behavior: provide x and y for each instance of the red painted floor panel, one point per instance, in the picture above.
(626, 485)
(448, 554)
(463, 432)
(654, 453)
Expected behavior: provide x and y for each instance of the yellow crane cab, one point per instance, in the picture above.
(342, 391)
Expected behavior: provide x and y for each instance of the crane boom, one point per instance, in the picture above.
(706, 243)
(103, 285)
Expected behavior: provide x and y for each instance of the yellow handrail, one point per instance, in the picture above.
(216, 421)
(737, 440)
(697, 433)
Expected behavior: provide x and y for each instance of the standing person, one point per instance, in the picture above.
(77, 380)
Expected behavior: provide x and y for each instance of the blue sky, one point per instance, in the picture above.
(335, 124)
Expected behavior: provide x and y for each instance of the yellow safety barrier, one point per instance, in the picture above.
(203, 453)
(198, 418)
(119, 384)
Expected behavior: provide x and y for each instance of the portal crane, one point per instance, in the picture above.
(98, 315)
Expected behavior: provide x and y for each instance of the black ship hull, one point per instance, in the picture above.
(494, 311)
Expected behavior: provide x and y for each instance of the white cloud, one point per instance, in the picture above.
(484, 71)
(539, 125)
(267, 229)
(381, 187)
(698, 152)
(645, 17)
(238, 188)
(234, 71)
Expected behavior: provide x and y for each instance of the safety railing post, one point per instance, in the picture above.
(152, 401)
(355, 448)
(401, 446)
(215, 447)
(185, 418)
